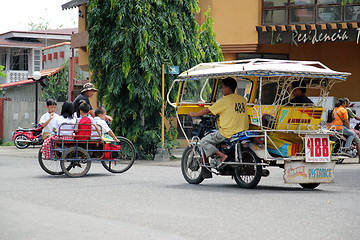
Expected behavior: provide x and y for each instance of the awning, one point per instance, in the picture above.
(309, 33)
(48, 72)
(13, 84)
(44, 73)
(73, 3)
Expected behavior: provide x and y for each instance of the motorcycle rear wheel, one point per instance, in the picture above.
(248, 176)
(19, 144)
(191, 165)
(124, 159)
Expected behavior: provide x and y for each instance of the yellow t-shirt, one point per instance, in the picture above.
(233, 114)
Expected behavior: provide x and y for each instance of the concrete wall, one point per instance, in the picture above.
(21, 114)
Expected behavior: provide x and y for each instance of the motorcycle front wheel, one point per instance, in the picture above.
(19, 141)
(248, 176)
(191, 165)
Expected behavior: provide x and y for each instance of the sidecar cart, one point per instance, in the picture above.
(284, 131)
(74, 157)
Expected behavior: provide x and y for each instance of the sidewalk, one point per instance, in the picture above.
(32, 152)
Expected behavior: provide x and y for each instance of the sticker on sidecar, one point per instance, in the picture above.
(302, 172)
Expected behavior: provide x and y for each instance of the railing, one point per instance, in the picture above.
(14, 76)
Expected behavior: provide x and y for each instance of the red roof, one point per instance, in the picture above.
(44, 73)
(12, 84)
(8, 42)
(48, 72)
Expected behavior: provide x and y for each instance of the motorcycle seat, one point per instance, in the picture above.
(24, 129)
(242, 135)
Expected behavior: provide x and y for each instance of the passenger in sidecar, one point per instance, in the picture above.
(233, 118)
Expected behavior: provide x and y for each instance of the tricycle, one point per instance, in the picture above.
(73, 157)
(292, 136)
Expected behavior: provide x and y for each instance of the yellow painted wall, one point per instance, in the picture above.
(339, 56)
(234, 20)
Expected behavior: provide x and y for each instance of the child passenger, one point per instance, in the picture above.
(85, 123)
(63, 126)
(100, 116)
(47, 119)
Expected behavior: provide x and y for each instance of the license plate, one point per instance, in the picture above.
(302, 172)
(317, 148)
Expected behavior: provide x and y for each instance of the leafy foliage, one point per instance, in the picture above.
(40, 24)
(208, 40)
(57, 84)
(128, 43)
(344, 2)
(2, 74)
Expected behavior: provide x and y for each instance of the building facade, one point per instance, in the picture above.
(318, 30)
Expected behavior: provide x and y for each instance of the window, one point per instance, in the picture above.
(277, 12)
(37, 60)
(19, 59)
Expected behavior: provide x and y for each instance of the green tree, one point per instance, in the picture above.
(40, 24)
(2, 74)
(208, 42)
(57, 84)
(344, 2)
(128, 43)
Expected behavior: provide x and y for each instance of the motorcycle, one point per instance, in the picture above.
(24, 137)
(339, 144)
(242, 163)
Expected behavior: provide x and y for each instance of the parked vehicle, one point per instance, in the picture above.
(295, 139)
(24, 137)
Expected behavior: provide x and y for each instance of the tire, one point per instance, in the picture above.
(248, 176)
(309, 185)
(21, 145)
(340, 161)
(51, 167)
(125, 157)
(77, 164)
(191, 165)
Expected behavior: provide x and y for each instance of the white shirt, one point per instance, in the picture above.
(61, 124)
(46, 117)
(353, 122)
(103, 127)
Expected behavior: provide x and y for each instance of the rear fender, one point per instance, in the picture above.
(260, 151)
(15, 134)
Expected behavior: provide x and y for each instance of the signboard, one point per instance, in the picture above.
(317, 148)
(313, 36)
(172, 70)
(302, 172)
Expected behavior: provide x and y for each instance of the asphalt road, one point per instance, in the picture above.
(153, 201)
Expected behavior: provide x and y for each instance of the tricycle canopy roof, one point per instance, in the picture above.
(262, 68)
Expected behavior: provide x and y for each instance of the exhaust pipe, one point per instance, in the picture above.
(23, 141)
(265, 173)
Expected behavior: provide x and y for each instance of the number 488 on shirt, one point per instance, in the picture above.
(317, 148)
(240, 107)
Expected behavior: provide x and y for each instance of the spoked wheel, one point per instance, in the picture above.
(19, 141)
(248, 176)
(309, 185)
(191, 165)
(75, 163)
(123, 159)
(52, 167)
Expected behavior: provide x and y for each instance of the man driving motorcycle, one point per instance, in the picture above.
(233, 114)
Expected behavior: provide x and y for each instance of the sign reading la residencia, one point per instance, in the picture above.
(313, 36)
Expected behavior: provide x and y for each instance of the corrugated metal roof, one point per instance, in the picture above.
(73, 3)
